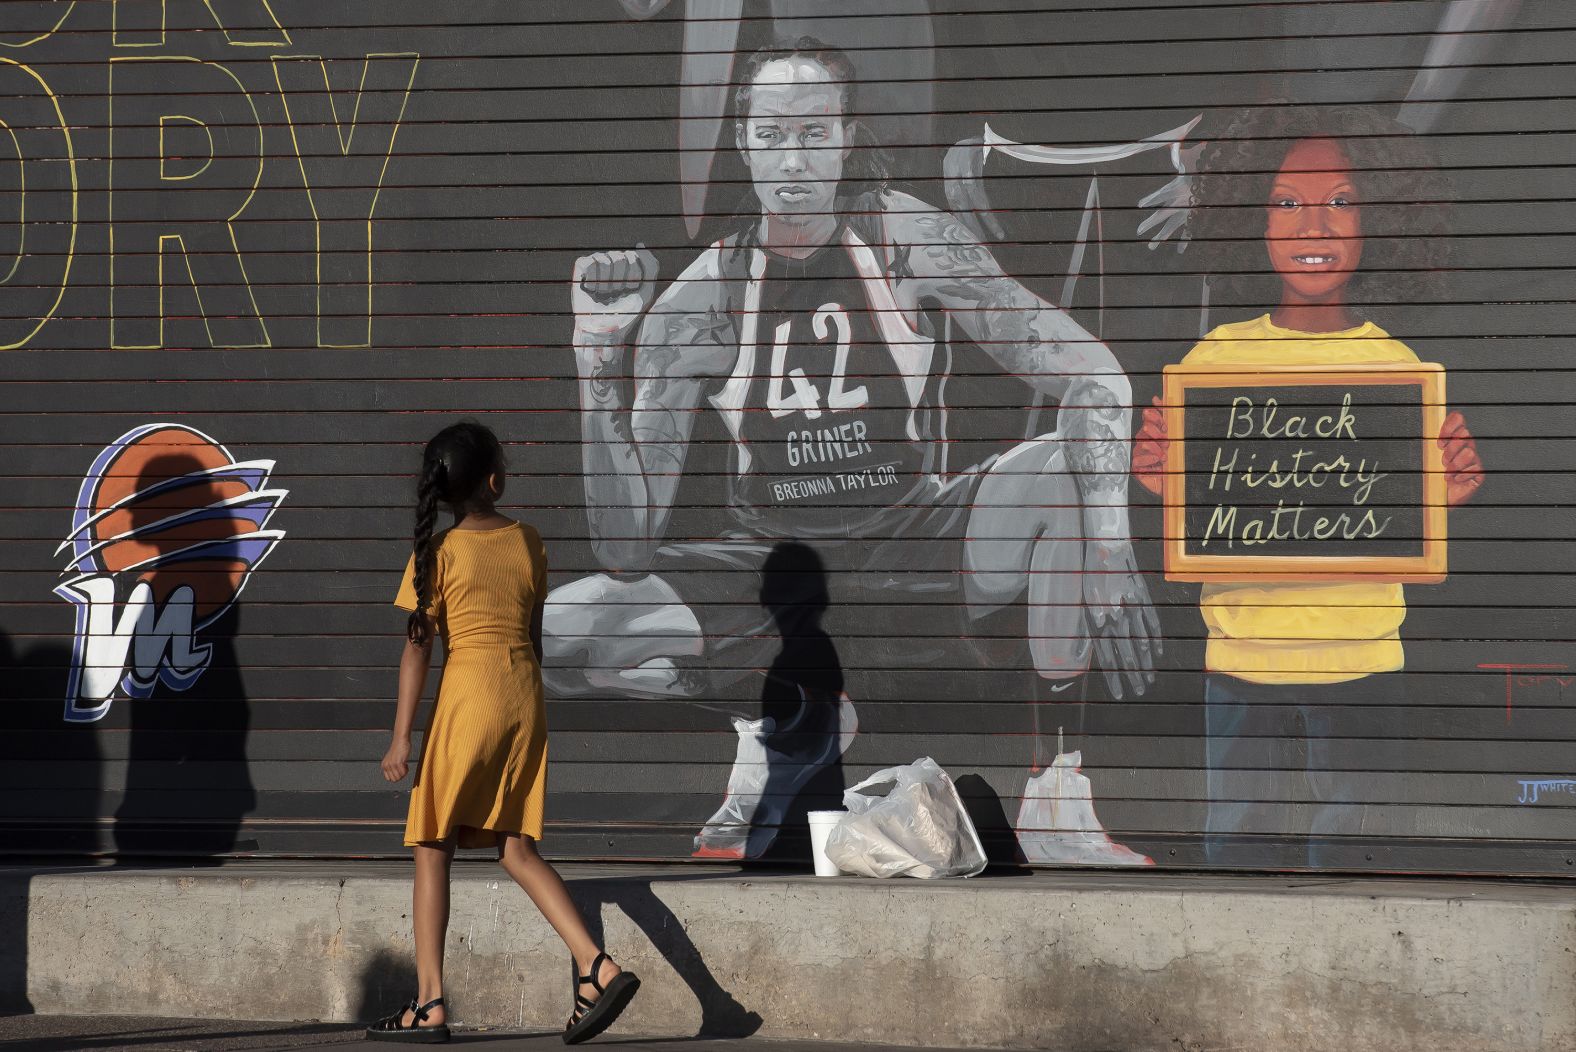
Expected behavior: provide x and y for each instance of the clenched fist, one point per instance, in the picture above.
(396, 762)
(611, 290)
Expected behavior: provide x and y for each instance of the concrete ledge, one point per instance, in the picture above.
(1079, 962)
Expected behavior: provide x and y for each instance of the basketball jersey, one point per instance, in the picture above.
(834, 402)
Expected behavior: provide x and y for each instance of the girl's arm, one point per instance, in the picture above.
(536, 622)
(413, 666)
(540, 561)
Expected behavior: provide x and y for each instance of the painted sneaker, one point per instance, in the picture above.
(1057, 822)
(771, 766)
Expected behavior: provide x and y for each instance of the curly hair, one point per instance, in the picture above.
(1402, 194)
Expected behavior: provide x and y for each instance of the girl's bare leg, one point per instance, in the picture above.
(430, 916)
(518, 856)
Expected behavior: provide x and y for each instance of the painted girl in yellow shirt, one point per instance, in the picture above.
(1347, 210)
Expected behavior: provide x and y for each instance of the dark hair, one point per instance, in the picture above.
(868, 170)
(1401, 192)
(454, 467)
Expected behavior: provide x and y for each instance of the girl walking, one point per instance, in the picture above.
(481, 585)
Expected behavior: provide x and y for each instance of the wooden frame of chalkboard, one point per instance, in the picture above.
(1413, 396)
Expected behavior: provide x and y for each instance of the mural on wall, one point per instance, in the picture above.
(853, 433)
(168, 527)
(807, 329)
(187, 151)
(1461, 40)
(894, 40)
(1346, 208)
(1167, 205)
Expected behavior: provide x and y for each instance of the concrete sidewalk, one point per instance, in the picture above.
(1079, 961)
(107, 1033)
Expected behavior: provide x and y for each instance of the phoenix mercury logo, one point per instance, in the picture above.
(167, 529)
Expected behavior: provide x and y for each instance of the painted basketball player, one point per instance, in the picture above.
(807, 330)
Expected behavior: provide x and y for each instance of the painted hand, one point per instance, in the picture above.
(1172, 203)
(1122, 622)
(1463, 469)
(396, 762)
(1149, 449)
(610, 291)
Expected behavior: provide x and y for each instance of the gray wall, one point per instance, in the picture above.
(528, 135)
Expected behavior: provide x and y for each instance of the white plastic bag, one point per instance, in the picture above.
(919, 829)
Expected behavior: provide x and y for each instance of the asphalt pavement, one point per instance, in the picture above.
(44, 1033)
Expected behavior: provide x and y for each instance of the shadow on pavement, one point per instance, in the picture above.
(75, 1034)
(722, 1016)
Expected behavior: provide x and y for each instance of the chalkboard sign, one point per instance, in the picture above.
(1299, 473)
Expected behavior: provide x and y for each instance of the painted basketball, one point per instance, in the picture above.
(153, 497)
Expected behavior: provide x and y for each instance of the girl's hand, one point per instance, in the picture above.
(1463, 469)
(1149, 448)
(396, 762)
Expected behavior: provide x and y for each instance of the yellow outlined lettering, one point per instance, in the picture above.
(164, 150)
(28, 37)
(343, 207)
(145, 204)
(135, 25)
(46, 211)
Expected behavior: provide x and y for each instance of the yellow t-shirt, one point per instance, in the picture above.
(1292, 632)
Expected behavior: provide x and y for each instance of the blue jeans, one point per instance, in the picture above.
(1275, 771)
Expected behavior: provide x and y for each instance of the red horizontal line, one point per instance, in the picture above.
(1519, 667)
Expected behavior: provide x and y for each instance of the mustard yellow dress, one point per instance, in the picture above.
(483, 767)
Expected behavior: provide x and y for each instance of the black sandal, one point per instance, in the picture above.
(593, 1017)
(393, 1028)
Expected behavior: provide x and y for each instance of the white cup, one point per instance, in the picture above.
(821, 823)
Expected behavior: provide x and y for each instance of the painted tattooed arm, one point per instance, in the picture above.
(1057, 357)
(1044, 347)
(633, 449)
